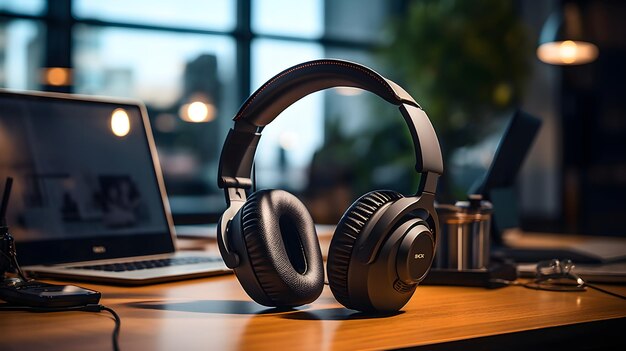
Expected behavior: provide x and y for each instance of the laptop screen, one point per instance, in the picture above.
(85, 179)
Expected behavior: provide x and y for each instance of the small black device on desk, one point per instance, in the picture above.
(33, 293)
(23, 294)
(26, 292)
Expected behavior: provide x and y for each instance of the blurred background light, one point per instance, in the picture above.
(57, 76)
(563, 39)
(120, 123)
(197, 112)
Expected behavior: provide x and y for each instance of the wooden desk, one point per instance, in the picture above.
(215, 314)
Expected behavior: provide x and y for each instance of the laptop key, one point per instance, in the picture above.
(147, 264)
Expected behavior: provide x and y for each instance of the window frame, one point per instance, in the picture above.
(58, 20)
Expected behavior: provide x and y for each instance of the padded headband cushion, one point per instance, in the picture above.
(345, 236)
(282, 247)
(298, 81)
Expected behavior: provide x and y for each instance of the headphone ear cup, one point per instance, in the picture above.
(345, 236)
(282, 264)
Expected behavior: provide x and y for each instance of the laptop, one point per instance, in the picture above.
(88, 200)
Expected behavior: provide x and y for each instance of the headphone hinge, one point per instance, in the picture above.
(428, 183)
(234, 195)
(235, 166)
(236, 198)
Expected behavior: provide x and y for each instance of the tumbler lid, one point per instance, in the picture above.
(474, 204)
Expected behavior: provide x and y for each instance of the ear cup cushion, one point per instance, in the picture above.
(283, 249)
(344, 238)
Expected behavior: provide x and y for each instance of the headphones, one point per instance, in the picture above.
(382, 247)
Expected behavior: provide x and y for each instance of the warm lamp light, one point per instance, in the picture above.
(562, 39)
(57, 76)
(567, 52)
(197, 112)
(120, 123)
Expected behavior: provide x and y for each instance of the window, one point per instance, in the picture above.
(300, 19)
(24, 7)
(21, 53)
(287, 146)
(173, 53)
(216, 15)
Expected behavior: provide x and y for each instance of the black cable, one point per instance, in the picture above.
(606, 291)
(87, 308)
(118, 325)
(7, 257)
(13, 262)
(11, 255)
(530, 286)
(5, 201)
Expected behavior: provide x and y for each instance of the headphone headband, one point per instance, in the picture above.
(294, 83)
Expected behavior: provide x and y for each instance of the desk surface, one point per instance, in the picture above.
(215, 314)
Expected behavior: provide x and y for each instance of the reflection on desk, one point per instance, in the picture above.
(215, 314)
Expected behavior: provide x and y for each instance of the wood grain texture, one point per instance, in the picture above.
(215, 314)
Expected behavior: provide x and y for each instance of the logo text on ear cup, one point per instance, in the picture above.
(419, 256)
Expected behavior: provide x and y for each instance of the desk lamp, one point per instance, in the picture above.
(562, 40)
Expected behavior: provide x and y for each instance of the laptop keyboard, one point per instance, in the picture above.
(148, 264)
